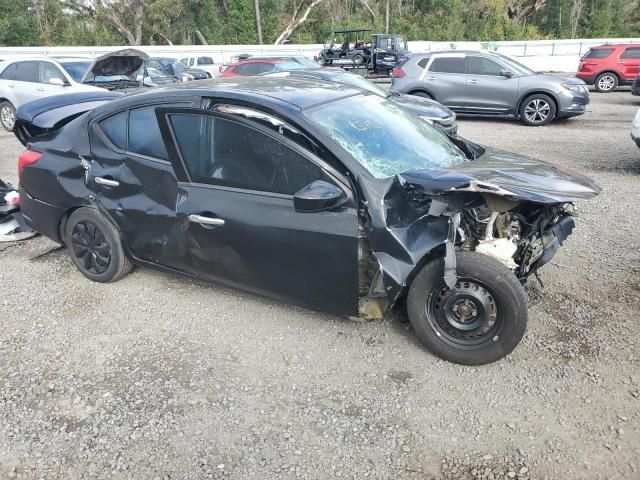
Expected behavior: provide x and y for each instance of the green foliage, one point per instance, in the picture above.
(58, 22)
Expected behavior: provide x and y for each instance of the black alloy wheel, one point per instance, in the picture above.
(90, 247)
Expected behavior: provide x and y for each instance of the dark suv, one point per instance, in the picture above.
(485, 83)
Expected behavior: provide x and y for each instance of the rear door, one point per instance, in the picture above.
(236, 205)
(629, 63)
(136, 187)
(445, 77)
(26, 86)
(488, 90)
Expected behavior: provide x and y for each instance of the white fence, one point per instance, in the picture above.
(543, 55)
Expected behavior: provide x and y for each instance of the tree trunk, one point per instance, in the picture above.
(574, 19)
(295, 23)
(137, 20)
(258, 21)
(203, 40)
(386, 18)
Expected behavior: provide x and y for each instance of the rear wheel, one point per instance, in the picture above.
(606, 82)
(423, 94)
(322, 61)
(7, 116)
(481, 320)
(94, 246)
(358, 59)
(537, 110)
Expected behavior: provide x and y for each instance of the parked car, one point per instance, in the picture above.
(257, 66)
(315, 193)
(428, 110)
(177, 69)
(152, 77)
(635, 129)
(202, 63)
(608, 66)
(484, 83)
(22, 81)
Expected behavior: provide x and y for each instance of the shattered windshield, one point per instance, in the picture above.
(383, 137)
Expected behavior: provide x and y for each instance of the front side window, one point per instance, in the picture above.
(483, 66)
(27, 72)
(49, 71)
(218, 151)
(383, 137)
(632, 52)
(598, 53)
(447, 65)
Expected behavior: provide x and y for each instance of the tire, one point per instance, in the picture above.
(95, 247)
(322, 61)
(423, 94)
(358, 59)
(606, 82)
(495, 316)
(537, 110)
(7, 115)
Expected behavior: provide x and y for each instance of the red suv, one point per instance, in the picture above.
(608, 66)
(258, 66)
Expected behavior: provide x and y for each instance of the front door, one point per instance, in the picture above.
(488, 91)
(243, 229)
(629, 63)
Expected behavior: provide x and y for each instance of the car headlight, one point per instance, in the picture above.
(185, 77)
(572, 87)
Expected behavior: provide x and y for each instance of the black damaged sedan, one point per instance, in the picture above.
(317, 194)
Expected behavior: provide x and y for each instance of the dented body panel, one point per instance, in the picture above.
(362, 254)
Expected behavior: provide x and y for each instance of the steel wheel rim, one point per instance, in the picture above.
(606, 83)
(478, 324)
(537, 111)
(90, 247)
(7, 116)
(358, 59)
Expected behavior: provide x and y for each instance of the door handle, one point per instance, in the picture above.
(106, 182)
(12, 85)
(472, 81)
(206, 220)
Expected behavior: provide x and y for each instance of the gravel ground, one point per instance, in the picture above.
(157, 376)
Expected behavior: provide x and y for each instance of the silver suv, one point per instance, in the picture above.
(481, 83)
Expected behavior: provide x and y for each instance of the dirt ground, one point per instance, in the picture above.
(158, 376)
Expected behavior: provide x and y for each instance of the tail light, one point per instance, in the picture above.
(398, 73)
(28, 157)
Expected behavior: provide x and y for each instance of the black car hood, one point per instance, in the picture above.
(422, 106)
(509, 175)
(123, 62)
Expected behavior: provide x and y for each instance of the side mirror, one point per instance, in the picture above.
(318, 196)
(506, 73)
(57, 81)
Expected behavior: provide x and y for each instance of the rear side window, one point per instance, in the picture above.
(447, 65)
(115, 128)
(9, 73)
(222, 152)
(598, 53)
(205, 61)
(27, 72)
(254, 68)
(422, 63)
(632, 52)
(144, 133)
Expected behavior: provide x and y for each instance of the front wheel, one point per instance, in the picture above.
(481, 320)
(358, 59)
(537, 110)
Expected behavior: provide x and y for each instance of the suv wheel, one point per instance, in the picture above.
(606, 82)
(537, 110)
(7, 116)
(358, 59)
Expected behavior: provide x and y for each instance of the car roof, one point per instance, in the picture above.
(298, 92)
(616, 45)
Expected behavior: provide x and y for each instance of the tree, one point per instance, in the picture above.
(258, 21)
(296, 21)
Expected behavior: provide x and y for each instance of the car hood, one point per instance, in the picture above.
(422, 106)
(123, 62)
(509, 175)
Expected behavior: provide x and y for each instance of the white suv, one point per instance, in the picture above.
(203, 63)
(22, 81)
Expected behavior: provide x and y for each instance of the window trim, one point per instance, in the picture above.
(165, 125)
